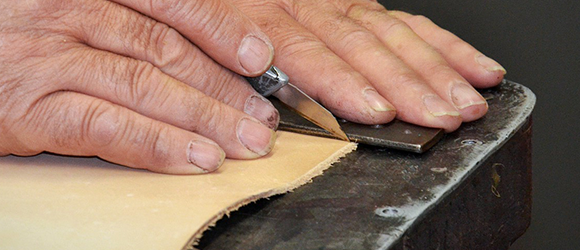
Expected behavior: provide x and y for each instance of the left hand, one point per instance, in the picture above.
(138, 83)
(368, 65)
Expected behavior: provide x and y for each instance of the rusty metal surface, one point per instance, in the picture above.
(489, 210)
(477, 179)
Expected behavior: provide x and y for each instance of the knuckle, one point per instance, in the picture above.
(366, 10)
(101, 125)
(355, 39)
(293, 43)
(394, 26)
(159, 151)
(104, 128)
(459, 45)
(407, 79)
(330, 26)
(356, 9)
(167, 8)
(214, 26)
(161, 45)
(346, 30)
(304, 11)
(139, 31)
(204, 14)
(167, 44)
(419, 20)
(206, 115)
(345, 76)
(439, 68)
(149, 140)
(290, 36)
(224, 87)
(144, 84)
(339, 78)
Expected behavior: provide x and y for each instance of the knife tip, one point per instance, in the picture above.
(341, 135)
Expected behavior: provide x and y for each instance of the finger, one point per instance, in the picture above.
(146, 90)
(126, 32)
(387, 73)
(318, 71)
(422, 58)
(218, 28)
(479, 70)
(74, 124)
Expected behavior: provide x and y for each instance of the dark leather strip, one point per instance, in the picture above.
(395, 135)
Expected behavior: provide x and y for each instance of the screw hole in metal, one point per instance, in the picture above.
(388, 212)
(471, 142)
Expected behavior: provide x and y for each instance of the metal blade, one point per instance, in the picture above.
(310, 109)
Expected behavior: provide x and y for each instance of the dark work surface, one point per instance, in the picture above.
(470, 191)
(537, 42)
(489, 210)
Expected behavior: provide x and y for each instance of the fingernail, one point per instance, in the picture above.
(376, 101)
(255, 136)
(255, 54)
(489, 64)
(464, 96)
(263, 110)
(207, 156)
(437, 107)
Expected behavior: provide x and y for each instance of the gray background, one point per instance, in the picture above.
(537, 42)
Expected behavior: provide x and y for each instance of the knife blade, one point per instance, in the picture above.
(275, 82)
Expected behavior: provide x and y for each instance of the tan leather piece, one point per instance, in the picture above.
(55, 202)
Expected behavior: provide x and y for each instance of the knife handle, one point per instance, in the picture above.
(270, 82)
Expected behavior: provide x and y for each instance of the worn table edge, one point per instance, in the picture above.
(504, 135)
(431, 185)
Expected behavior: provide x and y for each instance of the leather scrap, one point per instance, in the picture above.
(57, 202)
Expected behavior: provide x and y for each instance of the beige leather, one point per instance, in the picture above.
(55, 202)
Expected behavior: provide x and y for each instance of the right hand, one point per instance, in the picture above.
(123, 80)
(369, 65)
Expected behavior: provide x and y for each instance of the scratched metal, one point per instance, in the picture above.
(371, 198)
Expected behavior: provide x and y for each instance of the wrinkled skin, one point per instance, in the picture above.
(336, 50)
(156, 84)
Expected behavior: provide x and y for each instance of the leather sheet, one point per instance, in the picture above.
(56, 202)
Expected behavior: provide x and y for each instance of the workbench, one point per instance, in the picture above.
(470, 191)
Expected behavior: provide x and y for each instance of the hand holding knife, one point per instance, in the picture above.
(275, 82)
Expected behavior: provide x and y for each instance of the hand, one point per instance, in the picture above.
(367, 64)
(121, 80)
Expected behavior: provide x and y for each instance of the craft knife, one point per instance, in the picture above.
(275, 82)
